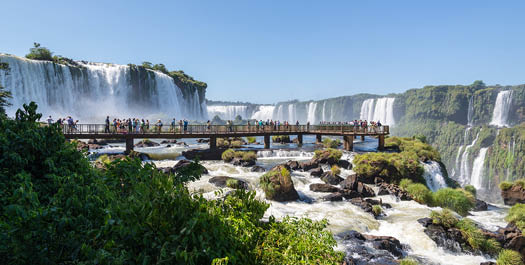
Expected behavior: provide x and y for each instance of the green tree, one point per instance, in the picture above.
(4, 94)
(39, 53)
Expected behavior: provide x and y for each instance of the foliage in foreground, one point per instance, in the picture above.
(516, 216)
(509, 257)
(57, 209)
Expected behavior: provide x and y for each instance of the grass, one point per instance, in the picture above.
(233, 183)
(457, 200)
(377, 210)
(335, 170)
(331, 143)
(420, 193)
(230, 154)
(423, 150)
(516, 216)
(509, 257)
(408, 261)
(250, 139)
(404, 183)
(471, 189)
(332, 153)
(505, 185)
(445, 218)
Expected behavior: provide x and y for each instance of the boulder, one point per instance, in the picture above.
(344, 164)
(224, 181)
(388, 243)
(202, 141)
(172, 141)
(324, 157)
(81, 146)
(294, 165)
(306, 166)
(364, 190)
(516, 194)
(206, 154)
(450, 239)
(94, 146)
(277, 184)
(316, 172)
(333, 197)
(320, 187)
(350, 194)
(146, 143)
(331, 178)
(350, 182)
(392, 189)
(257, 169)
(243, 163)
(368, 249)
(480, 206)
(179, 166)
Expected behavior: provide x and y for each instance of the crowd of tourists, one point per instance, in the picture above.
(135, 125)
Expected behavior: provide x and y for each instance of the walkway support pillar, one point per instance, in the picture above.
(213, 142)
(381, 144)
(129, 145)
(300, 140)
(362, 138)
(348, 142)
(267, 141)
(319, 138)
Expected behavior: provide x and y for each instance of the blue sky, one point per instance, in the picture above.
(269, 51)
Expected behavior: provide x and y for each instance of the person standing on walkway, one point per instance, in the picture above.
(106, 130)
(185, 126)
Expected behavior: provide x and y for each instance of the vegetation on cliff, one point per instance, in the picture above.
(516, 216)
(4, 94)
(57, 209)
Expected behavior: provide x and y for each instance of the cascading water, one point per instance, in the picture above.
(264, 113)
(470, 111)
(477, 169)
(464, 171)
(433, 176)
(90, 91)
(381, 109)
(312, 107)
(228, 112)
(500, 114)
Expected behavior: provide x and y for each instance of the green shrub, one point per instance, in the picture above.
(331, 143)
(377, 210)
(516, 216)
(471, 189)
(250, 155)
(251, 139)
(236, 143)
(298, 241)
(415, 144)
(335, 170)
(281, 138)
(520, 182)
(39, 53)
(457, 200)
(445, 218)
(228, 155)
(475, 237)
(392, 167)
(505, 185)
(509, 257)
(408, 261)
(332, 153)
(420, 193)
(233, 183)
(403, 184)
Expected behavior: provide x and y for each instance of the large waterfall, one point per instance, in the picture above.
(381, 109)
(312, 107)
(228, 112)
(433, 176)
(500, 114)
(264, 113)
(464, 170)
(90, 91)
(477, 169)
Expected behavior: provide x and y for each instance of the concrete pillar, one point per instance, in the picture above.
(381, 144)
(348, 142)
(362, 138)
(129, 145)
(267, 141)
(213, 142)
(300, 140)
(318, 138)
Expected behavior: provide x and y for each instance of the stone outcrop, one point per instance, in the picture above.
(146, 143)
(257, 169)
(179, 166)
(513, 195)
(316, 172)
(344, 164)
(204, 154)
(224, 181)
(450, 239)
(369, 249)
(330, 178)
(277, 184)
(392, 189)
(320, 187)
(294, 165)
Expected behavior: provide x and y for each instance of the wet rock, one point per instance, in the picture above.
(324, 157)
(450, 239)
(367, 249)
(333, 197)
(294, 165)
(350, 182)
(358, 201)
(516, 194)
(330, 178)
(350, 194)
(480, 205)
(320, 187)
(364, 190)
(257, 169)
(146, 143)
(316, 172)
(488, 263)
(344, 164)
(306, 166)
(81, 146)
(94, 146)
(243, 163)
(392, 189)
(202, 141)
(204, 154)
(224, 181)
(278, 186)
(179, 166)
(171, 141)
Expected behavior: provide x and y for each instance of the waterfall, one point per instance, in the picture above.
(292, 116)
(470, 111)
(500, 114)
(382, 110)
(228, 112)
(264, 113)
(90, 91)
(464, 171)
(324, 111)
(311, 112)
(433, 176)
(477, 169)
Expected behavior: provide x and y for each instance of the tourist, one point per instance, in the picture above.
(159, 126)
(208, 125)
(147, 125)
(185, 126)
(115, 125)
(173, 123)
(106, 129)
(49, 120)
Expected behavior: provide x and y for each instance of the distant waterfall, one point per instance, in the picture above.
(228, 112)
(477, 169)
(381, 109)
(312, 107)
(464, 171)
(470, 111)
(433, 176)
(500, 114)
(264, 113)
(90, 91)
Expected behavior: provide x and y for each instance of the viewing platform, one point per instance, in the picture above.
(348, 132)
